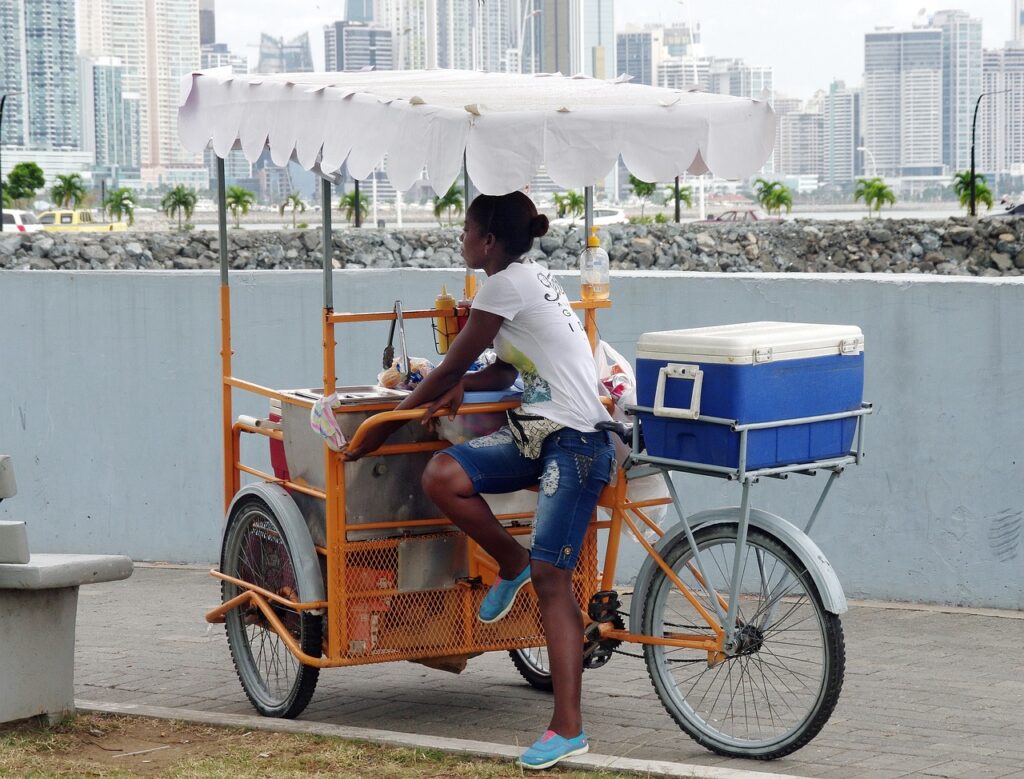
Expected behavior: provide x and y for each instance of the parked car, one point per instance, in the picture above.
(744, 215)
(602, 217)
(1016, 211)
(21, 221)
(77, 221)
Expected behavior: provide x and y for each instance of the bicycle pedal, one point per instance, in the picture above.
(597, 651)
(604, 606)
(470, 582)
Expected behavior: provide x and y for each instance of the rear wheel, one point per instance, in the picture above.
(776, 687)
(532, 663)
(256, 550)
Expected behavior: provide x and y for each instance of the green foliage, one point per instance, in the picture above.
(8, 202)
(660, 218)
(643, 190)
(68, 191)
(239, 201)
(294, 202)
(120, 203)
(23, 181)
(347, 204)
(571, 204)
(452, 201)
(302, 225)
(180, 201)
(962, 188)
(875, 193)
(680, 194)
(773, 195)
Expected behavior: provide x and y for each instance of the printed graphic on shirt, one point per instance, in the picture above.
(556, 294)
(535, 388)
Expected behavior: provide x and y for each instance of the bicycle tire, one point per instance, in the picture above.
(789, 673)
(532, 664)
(256, 550)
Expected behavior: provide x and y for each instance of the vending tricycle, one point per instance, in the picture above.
(329, 563)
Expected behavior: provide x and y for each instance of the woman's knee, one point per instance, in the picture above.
(549, 580)
(444, 476)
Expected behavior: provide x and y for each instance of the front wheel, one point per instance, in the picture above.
(256, 550)
(776, 687)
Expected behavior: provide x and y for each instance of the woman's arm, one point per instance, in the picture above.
(476, 336)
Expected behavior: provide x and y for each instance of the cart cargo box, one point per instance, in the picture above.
(750, 372)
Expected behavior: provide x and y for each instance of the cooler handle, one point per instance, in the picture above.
(677, 371)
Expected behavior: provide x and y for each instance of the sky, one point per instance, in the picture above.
(808, 42)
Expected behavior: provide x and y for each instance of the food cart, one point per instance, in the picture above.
(328, 563)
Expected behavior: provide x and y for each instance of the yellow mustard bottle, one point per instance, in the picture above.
(447, 324)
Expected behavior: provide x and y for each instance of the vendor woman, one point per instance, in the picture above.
(550, 441)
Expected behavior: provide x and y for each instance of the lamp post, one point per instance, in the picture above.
(974, 125)
(3, 99)
(867, 151)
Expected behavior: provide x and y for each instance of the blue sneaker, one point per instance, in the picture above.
(550, 748)
(501, 596)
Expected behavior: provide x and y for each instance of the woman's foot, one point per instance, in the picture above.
(551, 748)
(499, 599)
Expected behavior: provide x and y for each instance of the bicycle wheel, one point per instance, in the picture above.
(776, 688)
(256, 550)
(532, 664)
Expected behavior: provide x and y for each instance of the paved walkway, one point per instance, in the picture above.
(928, 691)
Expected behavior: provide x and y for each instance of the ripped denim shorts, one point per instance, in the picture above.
(571, 471)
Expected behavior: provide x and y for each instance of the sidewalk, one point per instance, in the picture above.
(928, 692)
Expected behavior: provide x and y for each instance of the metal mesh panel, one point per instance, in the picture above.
(380, 623)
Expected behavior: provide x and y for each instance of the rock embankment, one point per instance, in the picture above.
(985, 247)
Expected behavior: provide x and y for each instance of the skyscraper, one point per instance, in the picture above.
(109, 130)
(1017, 25)
(599, 44)
(455, 21)
(840, 134)
(413, 25)
(12, 72)
(961, 83)
(359, 11)
(280, 56)
(799, 153)
(51, 85)
(1000, 142)
(561, 50)
(637, 54)
(207, 23)
(355, 45)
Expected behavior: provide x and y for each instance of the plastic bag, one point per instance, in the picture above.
(619, 382)
(418, 371)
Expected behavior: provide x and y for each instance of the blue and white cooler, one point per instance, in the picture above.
(751, 372)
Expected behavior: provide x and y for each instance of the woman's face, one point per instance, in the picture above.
(476, 243)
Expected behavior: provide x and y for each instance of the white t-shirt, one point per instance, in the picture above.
(545, 340)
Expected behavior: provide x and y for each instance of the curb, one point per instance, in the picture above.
(457, 746)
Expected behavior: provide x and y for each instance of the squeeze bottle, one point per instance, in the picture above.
(594, 270)
(447, 323)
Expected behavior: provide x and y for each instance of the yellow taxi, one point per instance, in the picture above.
(77, 221)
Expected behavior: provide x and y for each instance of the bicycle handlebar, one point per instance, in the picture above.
(407, 414)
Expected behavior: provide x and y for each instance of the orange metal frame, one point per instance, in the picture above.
(613, 498)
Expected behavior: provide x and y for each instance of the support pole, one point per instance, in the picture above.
(676, 194)
(588, 212)
(231, 476)
(328, 243)
(359, 215)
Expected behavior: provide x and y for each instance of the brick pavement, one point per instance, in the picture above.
(928, 692)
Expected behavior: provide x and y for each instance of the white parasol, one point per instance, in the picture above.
(508, 125)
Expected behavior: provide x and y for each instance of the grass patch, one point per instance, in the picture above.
(103, 745)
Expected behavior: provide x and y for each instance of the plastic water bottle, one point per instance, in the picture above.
(594, 270)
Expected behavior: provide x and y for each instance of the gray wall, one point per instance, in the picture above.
(109, 404)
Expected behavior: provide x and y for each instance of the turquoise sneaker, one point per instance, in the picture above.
(550, 748)
(501, 596)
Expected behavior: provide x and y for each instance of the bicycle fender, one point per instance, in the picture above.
(808, 552)
(307, 574)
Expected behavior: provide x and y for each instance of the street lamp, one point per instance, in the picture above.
(867, 151)
(3, 99)
(974, 125)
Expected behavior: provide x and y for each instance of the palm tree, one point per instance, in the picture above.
(179, 201)
(643, 190)
(452, 201)
(119, 203)
(239, 201)
(295, 202)
(962, 187)
(347, 204)
(773, 195)
(875, 193)
(68, 191)
(570, 203)
(678, 192)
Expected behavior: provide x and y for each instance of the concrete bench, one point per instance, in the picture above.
(38, 606)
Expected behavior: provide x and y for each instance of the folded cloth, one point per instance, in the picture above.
(325, 423)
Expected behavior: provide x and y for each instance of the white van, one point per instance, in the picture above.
(21, 222)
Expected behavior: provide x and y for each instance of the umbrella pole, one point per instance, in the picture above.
(588, 212)
(230, 474)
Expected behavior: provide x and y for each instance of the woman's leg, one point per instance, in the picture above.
(563, 630)
(451, 489)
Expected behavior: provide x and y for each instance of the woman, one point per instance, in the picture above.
(552, 440)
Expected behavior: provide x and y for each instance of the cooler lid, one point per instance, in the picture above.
(748, 343)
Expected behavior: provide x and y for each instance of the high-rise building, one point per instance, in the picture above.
(12, 73)
(638, 54)
(207, 23)
(562, 48)
(800, 150)
(51, 86)
(109, 124)
(359, 11)
(413, 25)
(840, 135)
(1000, 133)
(961, 83)
(1017, 24)
(903, 81)
(735, 77)
(599, 43)
(280, 56)
(355, 45)
(682, 41)
(455, 23)
(218, 55)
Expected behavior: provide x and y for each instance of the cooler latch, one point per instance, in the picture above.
(849, 346)
(687, 373)
(763, 354)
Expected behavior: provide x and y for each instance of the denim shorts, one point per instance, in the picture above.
(571, 471)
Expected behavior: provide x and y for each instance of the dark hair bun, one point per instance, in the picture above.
(538, 226)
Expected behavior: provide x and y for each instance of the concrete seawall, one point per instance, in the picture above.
(109, 403)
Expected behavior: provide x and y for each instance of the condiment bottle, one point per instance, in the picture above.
(447, 324)
(594, 270)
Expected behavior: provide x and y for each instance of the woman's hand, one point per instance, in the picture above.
(450, 399)
(373, 440)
